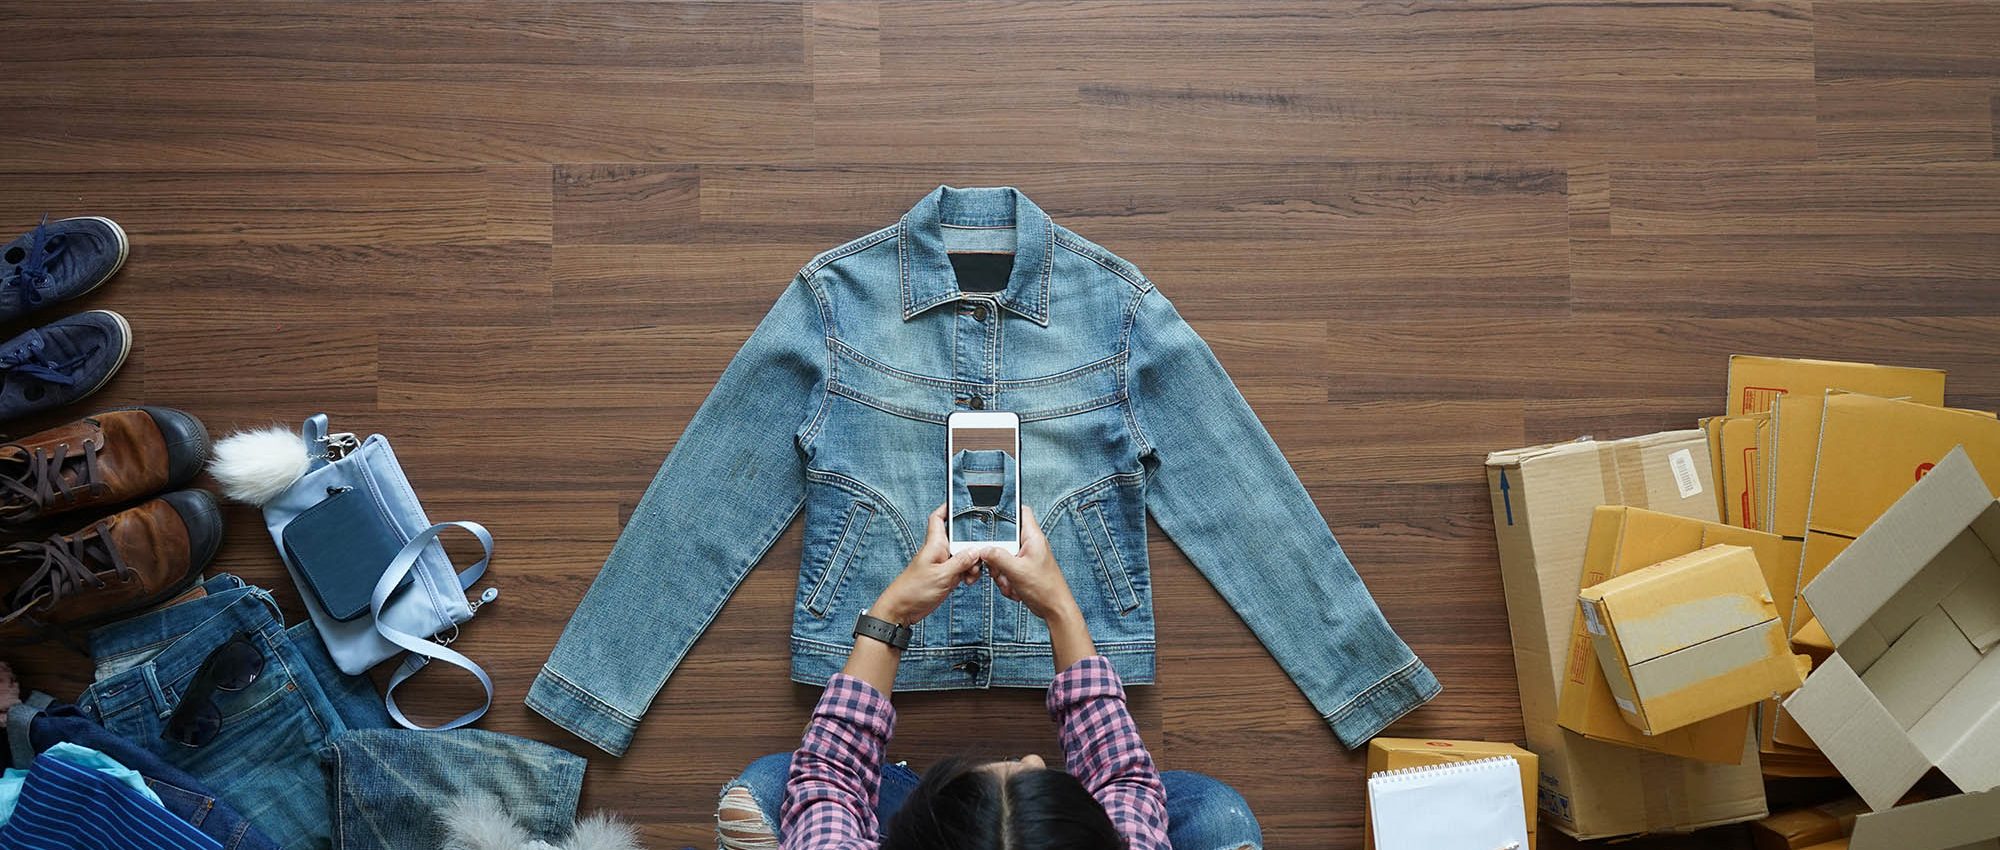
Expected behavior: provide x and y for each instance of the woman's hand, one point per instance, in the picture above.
(929, 577)
(1032, 578)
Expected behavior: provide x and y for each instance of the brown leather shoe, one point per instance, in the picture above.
(106, 459)
(119, 565)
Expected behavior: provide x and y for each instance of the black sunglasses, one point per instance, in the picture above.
(233, 666)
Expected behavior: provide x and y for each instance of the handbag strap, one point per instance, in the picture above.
(314, 434)
(421, 648)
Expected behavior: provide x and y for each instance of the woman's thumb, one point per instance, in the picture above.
(1000, 559)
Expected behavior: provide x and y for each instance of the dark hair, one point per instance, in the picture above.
(960, 805)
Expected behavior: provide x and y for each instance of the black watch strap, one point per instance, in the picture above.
(875, 627)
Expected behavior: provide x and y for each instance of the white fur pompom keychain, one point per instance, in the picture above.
(254, 467)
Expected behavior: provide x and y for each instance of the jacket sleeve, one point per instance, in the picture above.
(729, 487)
(1220, 487)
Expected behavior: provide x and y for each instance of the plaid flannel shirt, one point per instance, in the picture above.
(830, 797)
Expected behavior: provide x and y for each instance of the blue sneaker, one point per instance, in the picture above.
(61, 362)
(58, 261)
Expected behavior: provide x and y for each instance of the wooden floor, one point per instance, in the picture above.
(523, 238)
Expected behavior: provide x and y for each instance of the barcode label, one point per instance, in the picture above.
(1685, 476)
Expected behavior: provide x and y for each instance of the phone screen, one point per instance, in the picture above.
(983, 505)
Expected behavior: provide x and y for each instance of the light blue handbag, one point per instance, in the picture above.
(419, 598)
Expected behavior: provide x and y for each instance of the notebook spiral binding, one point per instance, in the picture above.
(1442, 769)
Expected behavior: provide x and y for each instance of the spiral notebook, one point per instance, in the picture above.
(1467, 805)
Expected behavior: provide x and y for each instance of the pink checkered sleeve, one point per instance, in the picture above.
(1101, 746)
(837, 771)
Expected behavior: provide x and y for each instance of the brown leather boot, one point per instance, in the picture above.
(106, 459)
(117, 566)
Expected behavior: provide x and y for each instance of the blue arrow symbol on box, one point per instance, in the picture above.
(1506, 498)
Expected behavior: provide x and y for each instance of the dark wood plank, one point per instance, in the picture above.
(1352, 80)
(621, 204)
(221, 207)
(1857, 200)
(1619, 357)
(148, 84)
(1750, 274)
(1905, 120)
(1907, 38)
(1124, 205)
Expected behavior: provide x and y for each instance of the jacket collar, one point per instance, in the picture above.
(926, 270)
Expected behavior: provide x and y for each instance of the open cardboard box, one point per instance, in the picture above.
(1871, 451)
(1913, 608)
(1958, 822)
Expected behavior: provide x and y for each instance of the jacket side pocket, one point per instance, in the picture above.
(1110, 562)
(832, 575)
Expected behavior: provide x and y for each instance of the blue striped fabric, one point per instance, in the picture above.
(65, 807)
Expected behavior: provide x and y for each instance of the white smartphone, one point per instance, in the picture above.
(982, 455)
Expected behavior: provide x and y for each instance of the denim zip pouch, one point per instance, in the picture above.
(341, 547)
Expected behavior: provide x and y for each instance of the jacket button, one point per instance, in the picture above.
(976, 403)
(979, 312)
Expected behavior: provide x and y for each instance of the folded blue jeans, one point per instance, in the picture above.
(306, 753)
(389, 785)
(1203, 813)
(266, 761)
(37, 725)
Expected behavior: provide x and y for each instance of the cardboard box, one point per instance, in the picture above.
(1958, 822)
(1797, 829)
(1739, 441)
(1794, 390)
(1951, 823)
(1624, 539)
(1813, 641)
(1913, 607)
(1871, 450)
(1542, 499)
(1690, 637)
(1794, 763)
(1398, 753)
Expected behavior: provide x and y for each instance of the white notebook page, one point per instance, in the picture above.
(1468, 805)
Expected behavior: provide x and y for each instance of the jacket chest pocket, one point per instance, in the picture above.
(1106, 557)
(840, 559)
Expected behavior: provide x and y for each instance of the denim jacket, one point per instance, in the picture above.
(837, 404)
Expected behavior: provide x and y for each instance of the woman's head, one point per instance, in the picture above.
(1005, 805)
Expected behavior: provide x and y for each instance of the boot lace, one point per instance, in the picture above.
(67, 567)
(35, 478)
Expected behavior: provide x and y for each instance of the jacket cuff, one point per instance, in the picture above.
(1372, 710)
(586, 716)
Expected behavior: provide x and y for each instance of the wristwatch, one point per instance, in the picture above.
(896, 636)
